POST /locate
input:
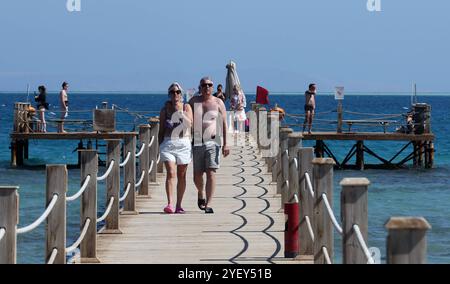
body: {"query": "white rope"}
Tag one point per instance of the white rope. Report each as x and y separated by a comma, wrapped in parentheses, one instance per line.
(52, 257)
(331, 214)
(140, 180)
(141, 151)
(127, 158)
(296, 198)
(363, 244)
(310, 229)
(82, 189)
(44, 216)
(159, 157)
(151, 141)
(107, 172)
(126, 193)
(2, 233)
(151, 167)
(296, 163)
(309, 185)
(108, 209)
(80, 239)
(326, 255)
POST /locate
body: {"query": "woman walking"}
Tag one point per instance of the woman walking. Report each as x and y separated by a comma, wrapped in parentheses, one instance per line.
(175, 145)
(237, 103)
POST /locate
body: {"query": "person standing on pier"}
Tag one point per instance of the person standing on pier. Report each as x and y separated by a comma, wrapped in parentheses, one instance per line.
(64, 104)
(209, 118)
(310, 106)
(175, 145)
(219, 94)
(42, 105)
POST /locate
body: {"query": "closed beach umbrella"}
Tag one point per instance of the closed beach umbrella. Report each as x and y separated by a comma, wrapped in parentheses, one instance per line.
(233, 79)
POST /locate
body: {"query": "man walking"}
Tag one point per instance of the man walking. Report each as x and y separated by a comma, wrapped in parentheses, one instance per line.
(310, 106)
(209, 120)
(64, 106)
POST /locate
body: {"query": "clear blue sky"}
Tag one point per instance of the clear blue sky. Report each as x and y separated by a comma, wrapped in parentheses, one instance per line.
(143, 45)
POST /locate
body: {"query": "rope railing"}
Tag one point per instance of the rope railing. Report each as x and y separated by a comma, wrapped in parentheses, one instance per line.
(296, 163)
(141, 151)
(151, 141)
(363, 244)
(2, 233)
(310, 229)
(80, 238)
(82, 189)
(326, 255)
(151, 167)
(309, 185)
(127, 158)
(44, 216)
(52, 257)
(331, 214)
(125, 193)
(159, 157)
(103, 177)
(141, 179)
(108, 210)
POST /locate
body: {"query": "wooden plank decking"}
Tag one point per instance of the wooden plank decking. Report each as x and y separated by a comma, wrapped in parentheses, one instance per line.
(245, 228)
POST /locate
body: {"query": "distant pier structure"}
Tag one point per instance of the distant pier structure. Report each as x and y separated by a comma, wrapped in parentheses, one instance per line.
(412, 134)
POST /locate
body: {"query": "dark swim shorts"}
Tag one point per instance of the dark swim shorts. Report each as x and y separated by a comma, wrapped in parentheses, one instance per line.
(309, 108)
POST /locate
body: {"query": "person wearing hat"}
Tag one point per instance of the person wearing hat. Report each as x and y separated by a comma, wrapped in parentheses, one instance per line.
(209, 124)
(175, 145)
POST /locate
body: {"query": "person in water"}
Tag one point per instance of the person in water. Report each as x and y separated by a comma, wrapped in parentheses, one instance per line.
(64, 106)
(175, 145)
(42, 105)
(209, 120)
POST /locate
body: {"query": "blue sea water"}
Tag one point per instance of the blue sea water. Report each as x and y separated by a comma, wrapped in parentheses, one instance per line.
(405, 192)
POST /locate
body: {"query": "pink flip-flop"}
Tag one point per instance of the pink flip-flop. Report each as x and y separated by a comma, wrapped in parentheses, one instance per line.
(168, 209)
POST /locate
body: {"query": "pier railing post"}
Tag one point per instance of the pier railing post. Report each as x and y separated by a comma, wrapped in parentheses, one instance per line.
(294, 142)
(305, 158)
(56, 220)
(154, 149)
(270, 159)
(9, 218)
(89, 166)
(283, 177)
(113, 187)
(323, 232)
(129, 204)
(407, 240)
(144, 137)
(354, 211)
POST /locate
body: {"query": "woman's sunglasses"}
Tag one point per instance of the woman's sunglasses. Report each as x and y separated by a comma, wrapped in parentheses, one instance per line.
(178, 92)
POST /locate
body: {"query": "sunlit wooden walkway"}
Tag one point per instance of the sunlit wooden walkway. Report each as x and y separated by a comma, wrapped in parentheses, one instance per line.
(246, 227)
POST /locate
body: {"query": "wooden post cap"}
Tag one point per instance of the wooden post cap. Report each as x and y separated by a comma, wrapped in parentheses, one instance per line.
(323, 161)
(286, 130)
(262, 109)
(5, 188)
(295, 135)
(407, 223)
(153, 120)
(87, 150)
(144, 126)
(355, 182)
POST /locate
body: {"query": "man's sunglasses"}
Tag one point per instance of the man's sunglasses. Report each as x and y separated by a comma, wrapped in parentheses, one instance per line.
(209, 85)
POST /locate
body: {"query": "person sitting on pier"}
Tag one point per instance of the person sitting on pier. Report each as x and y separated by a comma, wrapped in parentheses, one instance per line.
(310, 106)
(175, 144)
(42, 105)
(209, 119)
(64, 104)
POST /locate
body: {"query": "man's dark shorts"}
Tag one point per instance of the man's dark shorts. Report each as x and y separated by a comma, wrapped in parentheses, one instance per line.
(206, 157)
(309, 108)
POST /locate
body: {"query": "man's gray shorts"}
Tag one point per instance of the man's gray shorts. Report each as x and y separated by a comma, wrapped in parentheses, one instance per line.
(206, 157)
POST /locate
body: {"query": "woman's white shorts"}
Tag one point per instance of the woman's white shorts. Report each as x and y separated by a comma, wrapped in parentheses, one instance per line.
(178, 150)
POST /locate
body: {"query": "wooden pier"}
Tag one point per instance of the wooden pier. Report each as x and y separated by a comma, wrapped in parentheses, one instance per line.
(279, 214)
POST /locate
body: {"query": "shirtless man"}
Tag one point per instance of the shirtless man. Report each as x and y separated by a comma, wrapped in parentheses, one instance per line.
(64, 106)
(209, 118)
(310, 106)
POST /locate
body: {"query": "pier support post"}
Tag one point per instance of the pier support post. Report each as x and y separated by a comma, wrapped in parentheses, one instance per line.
(305, 158)
(9, 217)
(154, 149)
(262, 132)
(283, 176)
(406, 240)
(56, 220)
(319, 149)
(354, 211)
(294, 143)
(421, 150)
(360, 155)
(14, 154)
(129, 204)
(89, 166)
(323, 228)
(113, 187)
(339, 117)
(270, 159)
(144, 138)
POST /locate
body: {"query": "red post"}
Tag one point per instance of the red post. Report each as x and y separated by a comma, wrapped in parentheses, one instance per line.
(291, 243)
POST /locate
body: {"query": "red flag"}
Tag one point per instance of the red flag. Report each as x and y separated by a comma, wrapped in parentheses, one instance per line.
(262, 96)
